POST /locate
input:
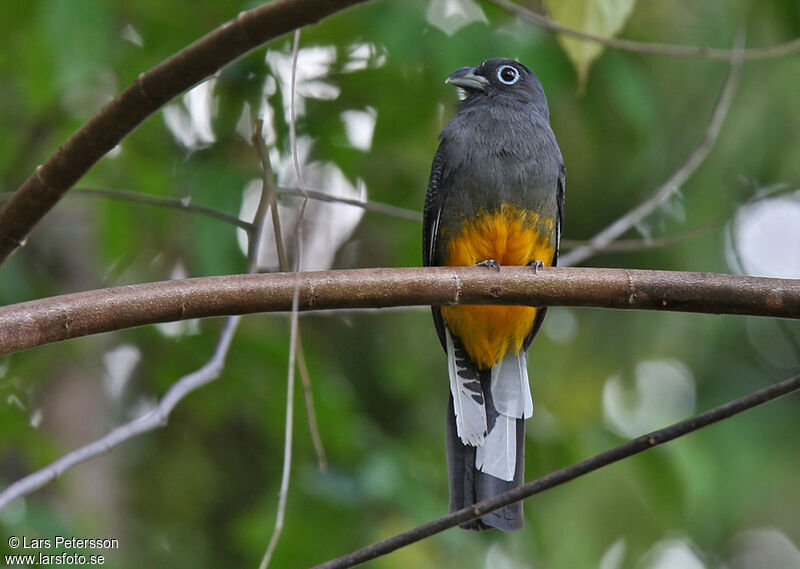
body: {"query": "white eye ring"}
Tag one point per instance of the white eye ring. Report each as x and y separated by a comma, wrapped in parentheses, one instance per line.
(508, 74)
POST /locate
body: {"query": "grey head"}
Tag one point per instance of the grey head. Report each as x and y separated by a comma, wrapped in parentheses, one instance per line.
(500, 82)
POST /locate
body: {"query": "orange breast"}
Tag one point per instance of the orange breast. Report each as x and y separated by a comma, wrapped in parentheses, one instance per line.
(510, 236)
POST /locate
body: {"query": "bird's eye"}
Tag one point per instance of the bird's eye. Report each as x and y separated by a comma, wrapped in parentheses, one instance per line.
(508, 74)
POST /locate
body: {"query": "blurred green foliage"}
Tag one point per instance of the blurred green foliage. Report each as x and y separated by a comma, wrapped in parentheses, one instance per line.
(203, 491)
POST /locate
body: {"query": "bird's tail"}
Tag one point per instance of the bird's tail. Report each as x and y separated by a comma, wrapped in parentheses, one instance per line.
(468, 485)
(486, 433)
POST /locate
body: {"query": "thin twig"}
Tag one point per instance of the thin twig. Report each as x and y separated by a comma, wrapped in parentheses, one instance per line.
(186, 205)
(283, 263)
(671, 186)
(293, 117)
(287, 442)
(564, 475)
(268, 187)
(378, 207)
(181, 204)
(294, 335)
(308, 396)
(265, 203)
(545, 22)
(641, 244)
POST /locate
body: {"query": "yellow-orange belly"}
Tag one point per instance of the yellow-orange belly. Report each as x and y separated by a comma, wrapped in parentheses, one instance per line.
(510, 236)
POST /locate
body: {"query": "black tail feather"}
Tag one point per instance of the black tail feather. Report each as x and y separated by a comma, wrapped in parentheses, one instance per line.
(468, 485)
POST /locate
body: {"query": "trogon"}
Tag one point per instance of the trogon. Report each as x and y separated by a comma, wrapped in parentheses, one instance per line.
(495, 197)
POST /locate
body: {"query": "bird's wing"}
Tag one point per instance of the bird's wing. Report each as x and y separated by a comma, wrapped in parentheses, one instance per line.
(434, 203)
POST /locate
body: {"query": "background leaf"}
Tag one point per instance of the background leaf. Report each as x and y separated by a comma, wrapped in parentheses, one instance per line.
(604, 18)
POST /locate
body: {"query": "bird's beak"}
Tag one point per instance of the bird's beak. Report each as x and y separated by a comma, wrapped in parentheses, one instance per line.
(466, 78)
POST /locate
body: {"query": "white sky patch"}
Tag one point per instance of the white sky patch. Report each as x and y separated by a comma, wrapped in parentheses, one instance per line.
(359, 127)
(326, 226)
(663, 392)
(130, 34)
(313, 65)
(452, 15)
(360, 56)
(766, 235)
(672, 554)
(119, 363)
(190, 120)
(179, 327)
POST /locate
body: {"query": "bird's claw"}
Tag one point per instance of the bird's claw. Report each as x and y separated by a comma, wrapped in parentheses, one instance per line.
(536, 266)
(491, 263)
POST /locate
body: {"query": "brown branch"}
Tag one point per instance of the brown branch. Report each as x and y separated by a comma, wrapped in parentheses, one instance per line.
(148, 93)
(34, 323)
(564, 475)
(753, 53)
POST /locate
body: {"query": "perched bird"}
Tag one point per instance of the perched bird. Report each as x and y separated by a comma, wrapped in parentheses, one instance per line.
(495, 197)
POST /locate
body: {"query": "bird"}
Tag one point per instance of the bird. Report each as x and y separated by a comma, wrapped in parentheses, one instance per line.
(495, 197)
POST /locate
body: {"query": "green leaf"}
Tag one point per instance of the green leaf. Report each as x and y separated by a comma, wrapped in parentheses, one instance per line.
(604, 18)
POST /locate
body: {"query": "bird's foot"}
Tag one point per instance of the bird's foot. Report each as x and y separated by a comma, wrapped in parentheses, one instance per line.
(536, 266)
(491, 263)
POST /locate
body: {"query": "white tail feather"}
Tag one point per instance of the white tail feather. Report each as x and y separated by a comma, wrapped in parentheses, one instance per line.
(511, 391)
(498, 454)
(468, 400)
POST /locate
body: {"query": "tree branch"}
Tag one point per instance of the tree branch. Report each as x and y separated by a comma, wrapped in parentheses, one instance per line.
(545, 22)
(149, 93)
(37, 322)
(564, 475)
